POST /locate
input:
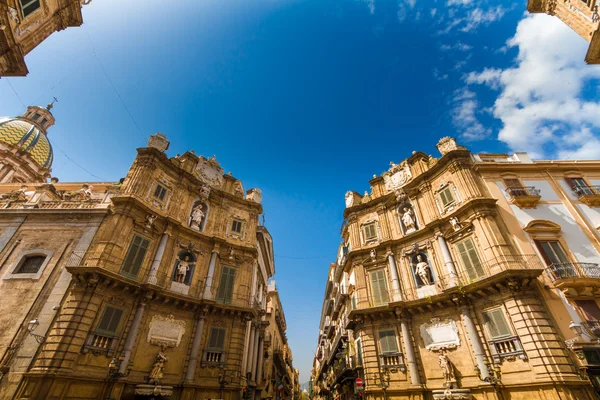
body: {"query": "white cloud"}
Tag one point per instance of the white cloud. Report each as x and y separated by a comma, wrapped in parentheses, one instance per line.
(370, 5)
(459, 2)
(464, 116)
(540, 101)
(460, 46)
(411, 3)
(433, 11)
(438, 75)
(401, 12)
(478, 16)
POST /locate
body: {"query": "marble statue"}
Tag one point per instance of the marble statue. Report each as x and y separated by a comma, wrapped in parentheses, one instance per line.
(422, 269)
(455, 224)
(182, 269)
(156, 373)
(408, 220)
(373, 254)
(447, 368)
(196, 217)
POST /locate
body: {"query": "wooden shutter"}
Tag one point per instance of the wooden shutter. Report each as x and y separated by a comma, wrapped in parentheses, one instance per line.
(590, 309)
(379, 286)
(387, 342)
(217, 339)
(135, 256)
(512, 183)
(446, 196)
(470, 258)
(496, 323)
(370, 231)
(551, 251)
(110, 320)
(226, 285)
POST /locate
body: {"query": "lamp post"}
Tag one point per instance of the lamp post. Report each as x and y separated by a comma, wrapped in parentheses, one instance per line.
(114, 374)
(381, 379)
(33, 324)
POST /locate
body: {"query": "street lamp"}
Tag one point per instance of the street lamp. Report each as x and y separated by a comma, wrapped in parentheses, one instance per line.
(114, 374)
(33, 324)
(576, 328)
(382, 380)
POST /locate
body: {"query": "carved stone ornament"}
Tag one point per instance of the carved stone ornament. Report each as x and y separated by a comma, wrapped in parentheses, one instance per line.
(254, 195)
(16, 195)
(209, 171)
(551, 7)
(448, 144)
(451, 394)
(165, 331)
(440, 335)
(152, 390)
(397, 176)
(158, 141)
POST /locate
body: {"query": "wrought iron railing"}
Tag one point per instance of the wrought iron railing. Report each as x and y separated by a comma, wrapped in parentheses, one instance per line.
(522, 191)
(581, 191)
(593, 326)
(571, 270)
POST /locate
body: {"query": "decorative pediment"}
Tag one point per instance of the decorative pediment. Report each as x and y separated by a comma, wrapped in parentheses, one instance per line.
(165, 331)
(397, 176)
(440, 335)
(209, 171)
(541, 225)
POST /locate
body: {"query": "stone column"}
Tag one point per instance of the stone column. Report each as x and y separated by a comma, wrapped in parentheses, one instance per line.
(475, 343)
(260, 359)
(209, 276)
(397, 295)
(133, 331)
(255, 354)
(157, 259)
(246, 348)
(452, 275)
(251, 348)
(189, 375)
(411, 360)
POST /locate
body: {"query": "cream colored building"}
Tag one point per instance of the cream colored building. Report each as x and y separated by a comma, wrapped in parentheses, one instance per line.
(153, 286)
(581, 15)
(24, 24)
(438, 292)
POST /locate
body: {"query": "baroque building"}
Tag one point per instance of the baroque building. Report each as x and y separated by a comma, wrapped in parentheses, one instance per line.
(24, 24)
(580, 15)
(152, 286)
(456, 279)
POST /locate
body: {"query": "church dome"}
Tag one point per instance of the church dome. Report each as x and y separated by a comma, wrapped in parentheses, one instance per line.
(28, 138)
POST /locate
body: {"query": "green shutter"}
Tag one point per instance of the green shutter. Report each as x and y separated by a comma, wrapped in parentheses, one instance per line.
(370, 231)
(470, 258)
(387, 342)
(496, 323)
(379, 286)
(217, 339)
(446, 196)
(226, 285)
(135, 256)
(110, 320)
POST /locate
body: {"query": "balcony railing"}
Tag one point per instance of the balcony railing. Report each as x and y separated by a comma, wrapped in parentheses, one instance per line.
(344, 365)
(581, 191)
(522, 191)
(392, 360)
(99, 343)
(212, 357)
(570, 270)
(593, 327)
(509, 347)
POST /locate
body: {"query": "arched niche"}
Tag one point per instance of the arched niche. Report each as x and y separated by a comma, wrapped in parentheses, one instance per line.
(198, 215)
(184, 266)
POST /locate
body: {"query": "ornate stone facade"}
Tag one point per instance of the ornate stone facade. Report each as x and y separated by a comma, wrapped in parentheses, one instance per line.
(435, 295)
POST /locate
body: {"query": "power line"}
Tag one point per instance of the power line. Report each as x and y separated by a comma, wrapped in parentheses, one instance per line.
(16, 94)
(113, 86)
(75, 162)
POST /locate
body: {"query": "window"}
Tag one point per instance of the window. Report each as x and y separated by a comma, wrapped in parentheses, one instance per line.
(579, 186)
(387, 342)
(216, 341)
(36, 116)
(512, 183)
(447, 197)
(160, 192)
(226, 284)
(30, 265)
(496, 324)
(552, 252)
(110, 320)
(29, 6)
(470, 258)
(135, 256)
(589, 309)
(236, 227)
(370, 231)
(43, 122)
(379, 287)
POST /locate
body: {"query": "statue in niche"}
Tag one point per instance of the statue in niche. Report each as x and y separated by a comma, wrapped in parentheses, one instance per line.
(455, 224)
(183, 267)
(408, 220)
(447, 369)
(156, 373)
(197, 216)
(422, 269)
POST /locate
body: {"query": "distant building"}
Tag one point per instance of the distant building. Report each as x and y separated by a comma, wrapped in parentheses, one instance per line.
(156, 285)
(581, 15)
(24, 24)
(466, 276)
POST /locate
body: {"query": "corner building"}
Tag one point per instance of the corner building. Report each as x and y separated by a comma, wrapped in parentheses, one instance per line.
(439, 293)
(154, 286)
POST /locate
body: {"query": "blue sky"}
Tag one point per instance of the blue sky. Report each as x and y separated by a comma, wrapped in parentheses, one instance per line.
(307, 100)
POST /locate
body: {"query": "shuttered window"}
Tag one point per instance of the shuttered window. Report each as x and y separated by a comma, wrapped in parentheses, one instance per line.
(236, 226)
(226, 284)
(29, 6)
(446, 197)
(370, 231)
(512, 183)
(590, 309)
(160, 192)
(387, 342)
(135, 256)
(379, 287)
(552, 252)
(110, 320)
(216, 341)
(470, 258)
(496, 324)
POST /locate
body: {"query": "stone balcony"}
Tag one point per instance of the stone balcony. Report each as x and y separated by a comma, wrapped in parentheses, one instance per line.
(507, 348)
(575, 278)
(589, 195)
(524, 196)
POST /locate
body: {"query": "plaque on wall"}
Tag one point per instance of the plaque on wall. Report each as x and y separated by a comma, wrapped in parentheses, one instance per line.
(440, 335)
(165, 331)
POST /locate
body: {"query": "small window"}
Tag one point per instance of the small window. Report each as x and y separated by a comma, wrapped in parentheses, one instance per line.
(160, 192)
(36, 116)
(379, 287)
(29, 6)
(226, 285)
(512, 183)
(43, 121)
(30, 265)
(470, 258)
(216, 340)
(590, 309)
(236, 226)
(370, 231)
(109, 323)
(496, 324)
(387, 342)
(447, 197)
(135, 256)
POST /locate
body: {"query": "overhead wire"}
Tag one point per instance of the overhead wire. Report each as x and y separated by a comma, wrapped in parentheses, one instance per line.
(16, 94)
